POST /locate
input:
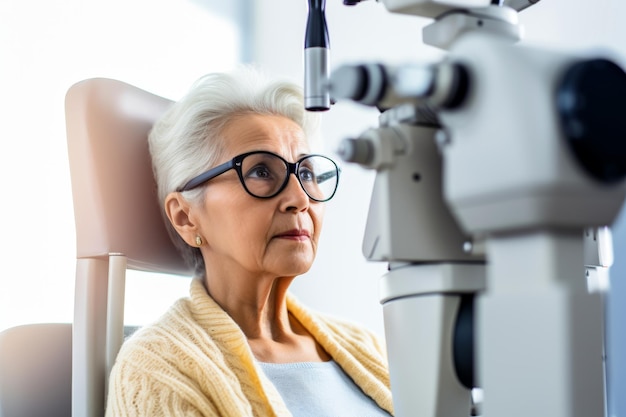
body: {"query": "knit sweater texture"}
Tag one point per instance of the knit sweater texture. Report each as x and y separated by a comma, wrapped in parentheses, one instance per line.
(195, 361)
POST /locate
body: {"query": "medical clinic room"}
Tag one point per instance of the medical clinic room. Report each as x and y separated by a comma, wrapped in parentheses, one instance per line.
(452, 242)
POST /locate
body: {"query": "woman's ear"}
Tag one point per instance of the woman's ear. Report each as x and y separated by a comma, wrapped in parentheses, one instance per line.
(178, 211)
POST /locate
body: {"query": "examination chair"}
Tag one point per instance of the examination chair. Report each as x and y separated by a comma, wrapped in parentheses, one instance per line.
(118, 223)
(36, 370)
(50, 369)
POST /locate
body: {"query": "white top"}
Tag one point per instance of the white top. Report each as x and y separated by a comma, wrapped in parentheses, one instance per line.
(320, 389)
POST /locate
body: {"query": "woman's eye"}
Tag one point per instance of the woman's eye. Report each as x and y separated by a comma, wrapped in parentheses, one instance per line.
(259, 172)
(306, 175)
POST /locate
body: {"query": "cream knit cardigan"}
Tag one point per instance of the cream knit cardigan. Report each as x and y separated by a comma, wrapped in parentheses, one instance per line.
(195, 361)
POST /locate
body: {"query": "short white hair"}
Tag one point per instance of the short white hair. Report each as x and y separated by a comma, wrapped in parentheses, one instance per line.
(187, 141)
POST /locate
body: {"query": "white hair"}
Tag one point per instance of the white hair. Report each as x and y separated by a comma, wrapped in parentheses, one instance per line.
(187, 141)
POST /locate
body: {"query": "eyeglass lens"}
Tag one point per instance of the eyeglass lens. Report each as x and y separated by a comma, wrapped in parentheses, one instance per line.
(265, 174)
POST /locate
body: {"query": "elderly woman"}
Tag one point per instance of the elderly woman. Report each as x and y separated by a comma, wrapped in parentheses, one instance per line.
(244, 198)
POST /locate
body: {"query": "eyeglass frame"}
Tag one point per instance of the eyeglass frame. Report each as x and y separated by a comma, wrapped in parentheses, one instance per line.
(236, 164)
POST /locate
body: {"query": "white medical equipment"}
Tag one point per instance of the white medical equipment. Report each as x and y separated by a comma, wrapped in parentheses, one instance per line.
(493, 166)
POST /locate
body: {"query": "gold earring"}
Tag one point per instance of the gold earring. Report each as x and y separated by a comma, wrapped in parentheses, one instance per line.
(199, 241)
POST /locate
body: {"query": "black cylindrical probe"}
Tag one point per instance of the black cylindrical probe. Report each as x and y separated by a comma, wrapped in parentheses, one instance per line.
(316, 64)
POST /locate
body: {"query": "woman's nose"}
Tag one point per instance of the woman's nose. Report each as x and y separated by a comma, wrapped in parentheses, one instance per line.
(295, 198)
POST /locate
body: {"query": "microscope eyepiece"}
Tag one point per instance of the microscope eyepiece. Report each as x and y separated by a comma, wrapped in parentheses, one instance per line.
(356, 150)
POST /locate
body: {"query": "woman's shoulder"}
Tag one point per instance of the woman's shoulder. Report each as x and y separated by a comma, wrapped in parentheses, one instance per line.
(350, 328)
(175, 323)
(191, 329)
(183, 320)
(170, 345)
(176, 357)
(346, 329)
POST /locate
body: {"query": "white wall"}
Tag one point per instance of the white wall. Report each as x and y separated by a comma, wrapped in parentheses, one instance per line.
(45, 47)
(342, 282)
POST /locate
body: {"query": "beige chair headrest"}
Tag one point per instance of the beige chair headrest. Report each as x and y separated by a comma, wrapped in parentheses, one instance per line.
(115, 202)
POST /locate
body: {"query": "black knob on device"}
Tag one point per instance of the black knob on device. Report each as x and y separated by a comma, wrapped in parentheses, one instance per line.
(591, 103)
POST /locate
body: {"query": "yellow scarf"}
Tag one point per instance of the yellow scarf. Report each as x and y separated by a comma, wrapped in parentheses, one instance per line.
(195, 361)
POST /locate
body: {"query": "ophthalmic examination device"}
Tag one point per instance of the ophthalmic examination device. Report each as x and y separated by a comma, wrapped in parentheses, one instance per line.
(499, 170)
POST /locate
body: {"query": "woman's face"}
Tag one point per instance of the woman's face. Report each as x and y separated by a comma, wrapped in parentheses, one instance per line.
(276, 236)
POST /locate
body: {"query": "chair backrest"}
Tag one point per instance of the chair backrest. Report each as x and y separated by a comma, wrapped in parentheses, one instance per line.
(115, 202)
(118, 222)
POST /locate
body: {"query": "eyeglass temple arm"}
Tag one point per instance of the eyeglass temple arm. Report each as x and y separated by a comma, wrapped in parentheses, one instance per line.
(202, 178)
(327, 175)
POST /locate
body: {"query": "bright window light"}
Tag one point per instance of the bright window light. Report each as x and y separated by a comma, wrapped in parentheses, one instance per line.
(46, 46)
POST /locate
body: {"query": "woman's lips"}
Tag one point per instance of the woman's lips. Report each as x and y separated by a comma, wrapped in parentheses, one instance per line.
(294, 234)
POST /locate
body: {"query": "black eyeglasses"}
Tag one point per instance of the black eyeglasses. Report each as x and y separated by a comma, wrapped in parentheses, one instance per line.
(264, 174)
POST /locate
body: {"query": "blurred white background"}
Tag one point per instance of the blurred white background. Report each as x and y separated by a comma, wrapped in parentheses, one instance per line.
(163, 46)
(45, 47)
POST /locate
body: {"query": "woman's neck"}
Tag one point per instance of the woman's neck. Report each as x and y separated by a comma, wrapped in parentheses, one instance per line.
(261, 312)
